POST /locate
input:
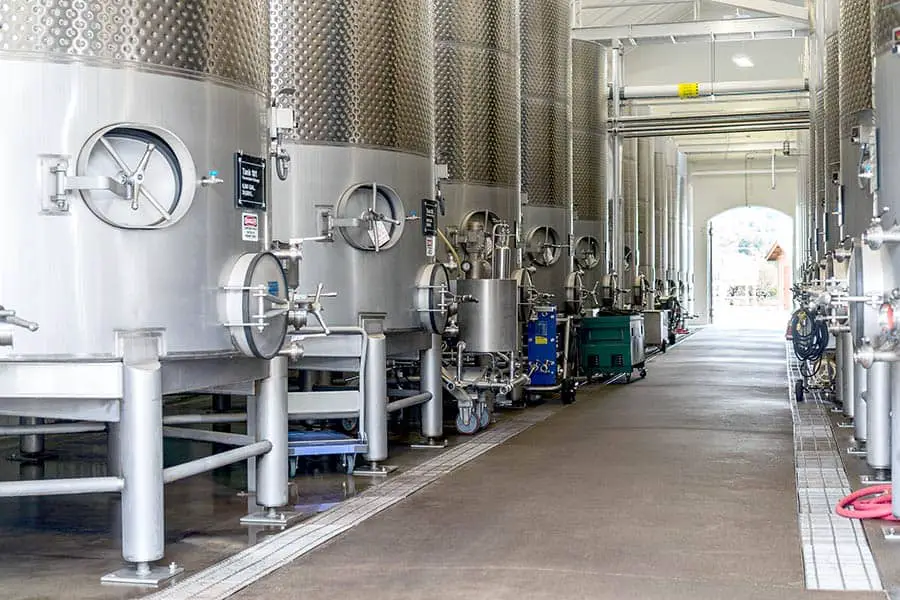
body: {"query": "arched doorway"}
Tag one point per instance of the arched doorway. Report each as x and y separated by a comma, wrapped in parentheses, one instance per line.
(750, 266)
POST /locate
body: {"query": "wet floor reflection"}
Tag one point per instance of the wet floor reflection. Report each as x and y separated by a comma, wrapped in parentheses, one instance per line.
(59, 546)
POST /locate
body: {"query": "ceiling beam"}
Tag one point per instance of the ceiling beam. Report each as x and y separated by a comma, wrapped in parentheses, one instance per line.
(771, 7)
(688, 30)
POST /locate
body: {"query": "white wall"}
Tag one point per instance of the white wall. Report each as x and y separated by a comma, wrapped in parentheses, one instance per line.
(714, 194)
(657, 64)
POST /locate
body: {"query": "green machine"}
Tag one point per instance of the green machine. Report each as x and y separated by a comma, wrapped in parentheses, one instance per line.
(611, 344)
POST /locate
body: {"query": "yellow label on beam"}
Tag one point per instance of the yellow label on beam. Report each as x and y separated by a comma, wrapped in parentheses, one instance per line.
(688, 90)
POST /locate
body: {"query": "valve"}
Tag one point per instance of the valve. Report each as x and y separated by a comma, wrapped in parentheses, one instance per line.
(9, 317)
(310, 304)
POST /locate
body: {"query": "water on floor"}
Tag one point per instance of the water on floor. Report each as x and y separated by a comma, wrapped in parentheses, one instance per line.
(58, 547)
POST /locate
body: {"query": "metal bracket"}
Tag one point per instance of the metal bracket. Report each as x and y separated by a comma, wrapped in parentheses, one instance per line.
(62, 185)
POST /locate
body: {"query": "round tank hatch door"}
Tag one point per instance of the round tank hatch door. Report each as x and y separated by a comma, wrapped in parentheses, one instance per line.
(256, 305)
(432, 293)
(149, 174)
(543, 246)
(371, 217)
(587, 252)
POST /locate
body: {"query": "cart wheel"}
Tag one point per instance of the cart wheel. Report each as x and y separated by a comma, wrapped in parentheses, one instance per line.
(484, 417)
(349, 425)
(628, 378)
(643, 373)
(664, 347)
(467, 428)
(349, 463)
(293, 461)
(568, 393)
(798, 390)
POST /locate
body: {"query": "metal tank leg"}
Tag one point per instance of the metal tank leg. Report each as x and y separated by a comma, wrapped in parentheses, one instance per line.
(31, 446)
(843, 345)
(375, 406)
(881, 386)
(272, 467)
(143, 512)
(860, 421)
(895, 442)
(433, 410)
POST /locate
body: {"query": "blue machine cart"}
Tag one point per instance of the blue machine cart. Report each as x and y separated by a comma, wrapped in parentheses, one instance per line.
(323, 443)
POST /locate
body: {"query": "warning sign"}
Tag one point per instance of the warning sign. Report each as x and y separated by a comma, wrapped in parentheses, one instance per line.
(250, 227)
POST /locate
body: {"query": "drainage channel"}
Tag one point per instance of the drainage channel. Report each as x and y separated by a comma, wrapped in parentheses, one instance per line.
(836, 553)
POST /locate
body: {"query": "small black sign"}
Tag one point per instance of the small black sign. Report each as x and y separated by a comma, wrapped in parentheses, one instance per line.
(429, 217)
(249, 181)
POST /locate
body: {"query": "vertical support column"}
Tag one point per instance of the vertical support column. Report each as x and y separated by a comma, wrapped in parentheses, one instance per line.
(375, 399)
(895, 443)
(31, 445)
(272, 425)
(860, 421)
(143, 513)
(844, 383)
(272, 467)
(878, 400)
(433, 410)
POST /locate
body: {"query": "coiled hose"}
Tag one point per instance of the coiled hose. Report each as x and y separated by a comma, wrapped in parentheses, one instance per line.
(809, 336)
(868, 503)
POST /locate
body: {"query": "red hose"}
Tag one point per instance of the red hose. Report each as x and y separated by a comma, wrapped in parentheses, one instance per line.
(868, 503)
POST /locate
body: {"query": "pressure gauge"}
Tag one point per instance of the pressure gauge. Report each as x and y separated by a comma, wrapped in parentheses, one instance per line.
(587, 252)
(153, 170)
(543, 247)
(370, 216)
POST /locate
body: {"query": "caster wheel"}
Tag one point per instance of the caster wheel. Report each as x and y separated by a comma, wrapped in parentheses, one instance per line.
(628, 378)
(349, 425)
(348, 462)
(568, 394)
(798, 390)
(664, 347)
(467, 427)
(643, 373)
(292, 466)
(484, 417)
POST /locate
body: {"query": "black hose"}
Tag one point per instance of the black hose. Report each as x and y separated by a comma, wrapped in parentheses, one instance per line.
(809, 338)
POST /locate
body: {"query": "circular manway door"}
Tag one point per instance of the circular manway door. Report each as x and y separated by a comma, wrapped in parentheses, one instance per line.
(147, 169)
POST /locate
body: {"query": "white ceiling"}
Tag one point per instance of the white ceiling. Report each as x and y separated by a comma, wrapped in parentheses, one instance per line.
(599, 13)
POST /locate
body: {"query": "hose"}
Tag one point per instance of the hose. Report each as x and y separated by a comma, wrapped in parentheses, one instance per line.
(808, 336)
(868, 503)
(450, 247)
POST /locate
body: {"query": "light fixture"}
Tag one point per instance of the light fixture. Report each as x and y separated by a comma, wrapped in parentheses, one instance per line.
(742, 60)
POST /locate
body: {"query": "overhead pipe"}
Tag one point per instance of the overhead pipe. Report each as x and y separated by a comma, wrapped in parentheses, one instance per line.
(687, 91)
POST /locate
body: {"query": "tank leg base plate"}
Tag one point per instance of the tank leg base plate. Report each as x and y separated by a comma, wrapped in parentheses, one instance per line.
(270, 519)
(430, 445)
(856, 451)
(152, 578)
(875, 479)
(374, 471)
(846, 425)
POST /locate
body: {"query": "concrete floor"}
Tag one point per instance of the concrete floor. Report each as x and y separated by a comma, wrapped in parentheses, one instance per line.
(679, 486)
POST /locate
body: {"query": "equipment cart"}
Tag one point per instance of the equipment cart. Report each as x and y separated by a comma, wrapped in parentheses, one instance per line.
(323, 443)
(612, 344)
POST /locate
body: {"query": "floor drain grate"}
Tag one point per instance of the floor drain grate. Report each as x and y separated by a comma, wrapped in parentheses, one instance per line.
(836, 554)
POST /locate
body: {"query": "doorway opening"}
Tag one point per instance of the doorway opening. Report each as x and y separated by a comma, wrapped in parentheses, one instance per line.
(751, 267)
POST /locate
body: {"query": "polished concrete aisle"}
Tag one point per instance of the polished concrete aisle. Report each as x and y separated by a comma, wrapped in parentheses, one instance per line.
(678, 486)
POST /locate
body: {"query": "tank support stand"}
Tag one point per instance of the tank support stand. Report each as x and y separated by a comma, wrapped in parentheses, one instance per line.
(271, 467)
(141, 464)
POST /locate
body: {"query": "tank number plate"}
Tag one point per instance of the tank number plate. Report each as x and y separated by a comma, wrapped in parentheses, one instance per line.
(249, 181)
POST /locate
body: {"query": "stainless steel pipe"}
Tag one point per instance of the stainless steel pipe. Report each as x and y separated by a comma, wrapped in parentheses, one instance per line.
(216, 461)
(61, 487)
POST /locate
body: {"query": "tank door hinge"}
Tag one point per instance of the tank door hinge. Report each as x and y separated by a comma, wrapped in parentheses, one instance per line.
(59, 185)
